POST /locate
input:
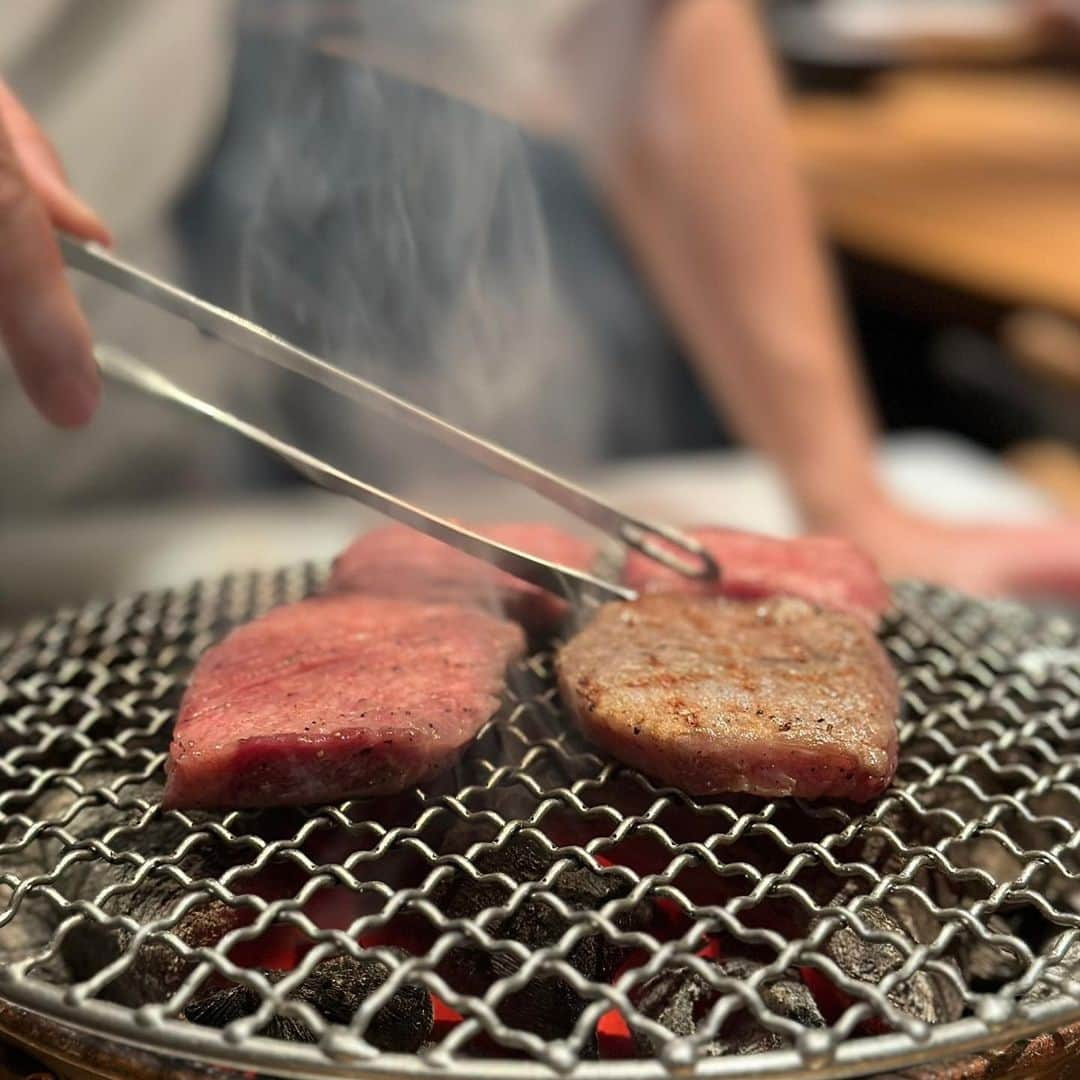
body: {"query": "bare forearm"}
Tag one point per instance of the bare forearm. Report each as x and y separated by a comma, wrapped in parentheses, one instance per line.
(706, 188)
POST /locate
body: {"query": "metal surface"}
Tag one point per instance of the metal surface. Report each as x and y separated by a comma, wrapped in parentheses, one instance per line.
(983, 821)
(575, 585)
(655, 541)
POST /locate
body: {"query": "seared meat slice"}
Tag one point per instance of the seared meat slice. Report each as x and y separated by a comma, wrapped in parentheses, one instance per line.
(336, 697)
(711, 695)
(397, 561)
(824, 570)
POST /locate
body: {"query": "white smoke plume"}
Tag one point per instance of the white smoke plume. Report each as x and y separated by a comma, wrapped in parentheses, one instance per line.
(416, 184)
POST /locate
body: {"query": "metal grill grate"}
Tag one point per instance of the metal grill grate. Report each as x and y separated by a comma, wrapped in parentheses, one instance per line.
(557, 907)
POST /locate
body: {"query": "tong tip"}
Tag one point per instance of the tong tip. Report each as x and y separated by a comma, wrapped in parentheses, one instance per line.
(658, 541)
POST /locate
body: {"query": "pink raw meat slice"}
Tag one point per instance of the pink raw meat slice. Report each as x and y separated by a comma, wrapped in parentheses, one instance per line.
(336, 697)
(825, 570)
(398, 561)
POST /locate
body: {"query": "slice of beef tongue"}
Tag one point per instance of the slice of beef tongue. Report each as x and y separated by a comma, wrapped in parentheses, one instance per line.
(827, 571)
(336, 697)
(712, 696)
(368, 690)
(399, 562)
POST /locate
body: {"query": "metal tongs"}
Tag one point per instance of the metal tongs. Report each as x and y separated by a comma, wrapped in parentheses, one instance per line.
(665, 545)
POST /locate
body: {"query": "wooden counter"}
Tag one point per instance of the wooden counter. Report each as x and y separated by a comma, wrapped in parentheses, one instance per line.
(971, 180)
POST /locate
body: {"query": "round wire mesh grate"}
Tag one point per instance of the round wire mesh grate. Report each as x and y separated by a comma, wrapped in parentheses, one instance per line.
(542, 910)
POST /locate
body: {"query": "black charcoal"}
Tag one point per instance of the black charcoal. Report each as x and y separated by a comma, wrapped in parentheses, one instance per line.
(336, 988)
(548, 1006)
(681, 999)
(926, 995)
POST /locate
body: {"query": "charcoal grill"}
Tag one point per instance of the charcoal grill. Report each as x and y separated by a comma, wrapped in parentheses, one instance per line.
(973, 851)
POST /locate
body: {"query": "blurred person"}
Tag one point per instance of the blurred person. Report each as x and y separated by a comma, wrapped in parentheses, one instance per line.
(700, 177)
(705, 184)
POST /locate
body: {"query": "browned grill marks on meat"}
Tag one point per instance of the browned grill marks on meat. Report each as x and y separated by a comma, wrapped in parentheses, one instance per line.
(772, 698)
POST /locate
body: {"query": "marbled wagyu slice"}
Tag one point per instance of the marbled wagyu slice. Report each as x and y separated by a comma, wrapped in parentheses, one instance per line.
(827, 571)
(397, 561)
(336, 697)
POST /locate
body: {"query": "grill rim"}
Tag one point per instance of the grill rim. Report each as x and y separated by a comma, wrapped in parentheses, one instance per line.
(172, 1038)
(852, 1058)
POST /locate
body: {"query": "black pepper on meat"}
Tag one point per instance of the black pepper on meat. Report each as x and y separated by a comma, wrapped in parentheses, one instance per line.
(771, 698)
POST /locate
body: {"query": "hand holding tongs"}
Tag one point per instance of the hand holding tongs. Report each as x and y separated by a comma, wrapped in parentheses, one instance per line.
(655, 541)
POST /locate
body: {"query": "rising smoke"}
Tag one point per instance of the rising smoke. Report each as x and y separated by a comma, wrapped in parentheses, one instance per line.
(398, 230)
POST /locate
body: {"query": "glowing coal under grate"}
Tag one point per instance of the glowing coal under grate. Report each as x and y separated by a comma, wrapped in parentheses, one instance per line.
(542, 909)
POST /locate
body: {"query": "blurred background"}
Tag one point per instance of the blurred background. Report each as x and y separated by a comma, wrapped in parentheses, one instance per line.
(255, 153)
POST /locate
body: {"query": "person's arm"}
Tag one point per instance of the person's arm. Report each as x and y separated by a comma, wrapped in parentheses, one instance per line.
(705, 186)
(703, 180)
(41, 326)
